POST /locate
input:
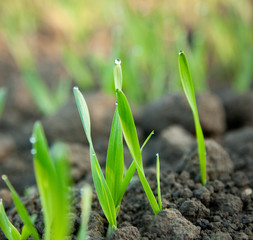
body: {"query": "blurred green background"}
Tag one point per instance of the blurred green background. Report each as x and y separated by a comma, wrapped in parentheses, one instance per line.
(60, 43)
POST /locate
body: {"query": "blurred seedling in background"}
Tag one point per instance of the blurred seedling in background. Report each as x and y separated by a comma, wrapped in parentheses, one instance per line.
(188, 87)
(110, 189)
(53, 181)
(47, 100)
(3, 93)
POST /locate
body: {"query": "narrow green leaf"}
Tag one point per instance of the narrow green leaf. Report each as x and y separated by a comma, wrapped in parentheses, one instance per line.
(147, 139)
(86, 193)
(53, 180)
(130, 135)
(25, 230)
(45, 176)
(118, 74)
(186, 80)
(115, 158)
(102, 189)
(8, 229)
(190, 95)
(158, 181)
(21, 209)
(128, 127)
(83, 112)
(62, 197)
(128, 176)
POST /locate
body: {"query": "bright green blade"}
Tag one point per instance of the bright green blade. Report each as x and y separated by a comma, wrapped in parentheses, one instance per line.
(102, 189)
(83, 112)
(147, 139)
(158, 181)
(128, 127)
(128, 176)
(190, 95)
(25, 230)
(8, 229)
(86, 193)
(21, 209)
(62, 197)
(115, 158)
(45, 176)
(3, 94)
(186, 81)
(130, 135)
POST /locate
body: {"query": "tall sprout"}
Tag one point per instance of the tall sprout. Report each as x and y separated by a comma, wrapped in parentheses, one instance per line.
(188, 87)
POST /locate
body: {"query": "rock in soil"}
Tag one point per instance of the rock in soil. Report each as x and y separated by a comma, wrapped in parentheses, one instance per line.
(174, 109)
(126, 233)
(171, 144)
(218, 162)
(170, 224)
(238, 108)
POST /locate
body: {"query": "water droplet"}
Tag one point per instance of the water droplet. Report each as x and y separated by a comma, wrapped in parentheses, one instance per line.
(117, 61)
(33, 151)
(116, 103)
(181, 51)
(75, 88)
(32, 139)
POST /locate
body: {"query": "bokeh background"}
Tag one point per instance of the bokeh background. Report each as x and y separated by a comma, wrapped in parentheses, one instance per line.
(53, 45)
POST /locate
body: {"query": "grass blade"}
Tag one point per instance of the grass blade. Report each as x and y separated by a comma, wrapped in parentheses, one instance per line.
(115, 158)
(86, 193)
(83, 112)
(53, 182)
(128, 176)
(158, 181)
(8, 229)
(130, 134)
(21, 209)
(45, 176)
(190, 95)
(147, 139)
(128, 127)
(102, 189)
(62, 196)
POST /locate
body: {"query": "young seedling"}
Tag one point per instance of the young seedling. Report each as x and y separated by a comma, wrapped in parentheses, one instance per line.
(188, 87)
(53, 180)
(110, 190)
(130, 136)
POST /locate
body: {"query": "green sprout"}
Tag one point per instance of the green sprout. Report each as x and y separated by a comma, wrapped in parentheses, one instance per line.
(3, 94)
(53, 180)
(110, 189)
(190, 95)
(131, 138)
